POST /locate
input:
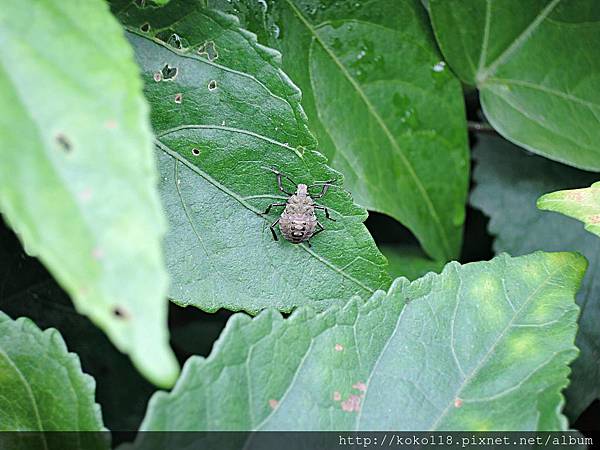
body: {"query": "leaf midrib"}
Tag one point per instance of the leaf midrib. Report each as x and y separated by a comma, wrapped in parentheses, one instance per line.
(477, 369)
(483, 75)
(29, 392)
(387, 132)
(174, 154)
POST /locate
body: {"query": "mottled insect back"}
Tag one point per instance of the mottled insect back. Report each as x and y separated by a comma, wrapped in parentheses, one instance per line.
(298, 221)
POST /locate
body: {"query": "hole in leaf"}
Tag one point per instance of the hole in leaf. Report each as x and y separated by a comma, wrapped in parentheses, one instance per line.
(209, 51)
(196, 151)
(178, 98)
(168, 72)
(212, 85)
(145, 27)
(120, 313)
(64, 143)
(175, 41)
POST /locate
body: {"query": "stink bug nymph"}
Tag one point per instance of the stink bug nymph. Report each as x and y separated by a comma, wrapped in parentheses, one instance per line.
(298, 221)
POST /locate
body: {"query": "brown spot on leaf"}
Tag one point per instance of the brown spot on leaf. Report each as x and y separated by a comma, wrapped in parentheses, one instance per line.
(339, 347)
(594, 219)
(157, 77)
(64, 142)
(362, 387)
(273, 403)
(120, 313)
(178, 98)
(337, 396)
(457, 402)
(111, 124)
(351, 404)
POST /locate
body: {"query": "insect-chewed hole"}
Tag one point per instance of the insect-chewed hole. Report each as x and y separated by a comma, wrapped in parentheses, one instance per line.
(168, 72)
(64, 143)
(145, 27)
(120, 312)
(175, 41)
(196, 151)
(208, 50)
(212, 85)
(178, 98)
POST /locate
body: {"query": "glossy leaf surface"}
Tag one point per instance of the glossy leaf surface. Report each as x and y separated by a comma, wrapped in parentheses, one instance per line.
(536, 66)
(385, 109)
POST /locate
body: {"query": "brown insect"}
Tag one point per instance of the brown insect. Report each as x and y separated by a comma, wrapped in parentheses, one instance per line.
(298, 221)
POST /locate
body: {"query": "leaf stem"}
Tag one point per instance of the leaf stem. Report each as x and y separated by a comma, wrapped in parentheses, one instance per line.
(480, 127)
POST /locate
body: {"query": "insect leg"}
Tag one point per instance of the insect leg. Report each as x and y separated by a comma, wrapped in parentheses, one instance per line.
(273, 204)
(323, 208)
(272, 227)
(321, 228)
(325, 186)
(279, 182)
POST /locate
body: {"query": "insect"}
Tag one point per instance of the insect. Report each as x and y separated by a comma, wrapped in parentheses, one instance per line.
(298, 221)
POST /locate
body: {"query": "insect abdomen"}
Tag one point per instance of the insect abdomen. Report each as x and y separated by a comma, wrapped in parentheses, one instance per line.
(297, 229)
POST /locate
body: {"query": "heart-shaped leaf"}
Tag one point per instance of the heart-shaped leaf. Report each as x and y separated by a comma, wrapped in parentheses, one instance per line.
(483, 346)
(386, 110)
(509, 182)
(537, 68)
(77, 172)
(582, 204)
(225, 115)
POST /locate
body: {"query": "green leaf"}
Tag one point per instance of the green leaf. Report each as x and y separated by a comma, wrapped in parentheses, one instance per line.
(408, 261)
(484, 346)
(77, 174)
(536, 66)
(509, 182)
(225, 113)
(582, 204)
(42, 386)
(385, 109)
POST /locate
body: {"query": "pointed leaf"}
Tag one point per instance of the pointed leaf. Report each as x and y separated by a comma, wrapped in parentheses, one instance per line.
(224, 114)
(77, 175)
(582, 204)
(43, 387)
(509, 182)
(535, 63)
(484, 346)
(386, 110)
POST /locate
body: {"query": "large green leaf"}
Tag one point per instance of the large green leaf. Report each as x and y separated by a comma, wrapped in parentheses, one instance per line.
(509, 183)
(225, 113)
(582, 204)
(42, 387)
(535, 63)
(483, 346)
(77, 174)
(385, 109)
